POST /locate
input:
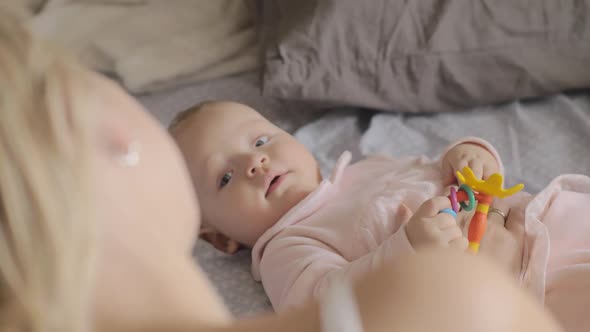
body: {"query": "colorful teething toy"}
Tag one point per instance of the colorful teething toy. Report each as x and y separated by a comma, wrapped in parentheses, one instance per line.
(483, 192)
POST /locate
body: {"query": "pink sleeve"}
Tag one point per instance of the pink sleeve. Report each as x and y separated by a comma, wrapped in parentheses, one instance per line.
(296, 269)
(475, 140)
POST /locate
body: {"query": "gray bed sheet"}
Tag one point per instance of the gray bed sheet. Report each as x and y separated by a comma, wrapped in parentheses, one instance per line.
(537, 139)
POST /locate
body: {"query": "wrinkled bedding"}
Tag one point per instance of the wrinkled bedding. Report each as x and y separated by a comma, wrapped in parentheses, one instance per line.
(537, 140)
(423, 56)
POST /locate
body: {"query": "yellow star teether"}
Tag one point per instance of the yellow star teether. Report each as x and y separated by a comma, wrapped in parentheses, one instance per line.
(491, 186)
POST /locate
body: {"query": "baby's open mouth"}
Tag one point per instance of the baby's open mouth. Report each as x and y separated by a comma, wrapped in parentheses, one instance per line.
(274, 183)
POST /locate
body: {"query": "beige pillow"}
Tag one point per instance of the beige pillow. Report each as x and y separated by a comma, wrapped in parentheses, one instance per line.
(22, 8)
(152, 45)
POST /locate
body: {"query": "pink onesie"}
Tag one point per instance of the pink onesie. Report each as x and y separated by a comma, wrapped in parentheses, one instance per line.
(355, 221)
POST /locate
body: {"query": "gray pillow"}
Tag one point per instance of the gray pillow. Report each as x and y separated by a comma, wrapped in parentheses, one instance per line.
(426, 55)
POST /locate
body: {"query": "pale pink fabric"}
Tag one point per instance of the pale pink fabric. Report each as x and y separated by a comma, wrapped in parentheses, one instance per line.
(355, 221)
(560, 216)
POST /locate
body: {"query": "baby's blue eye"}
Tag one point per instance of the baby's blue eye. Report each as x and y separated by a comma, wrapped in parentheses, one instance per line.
(261, 141)
(225, 179)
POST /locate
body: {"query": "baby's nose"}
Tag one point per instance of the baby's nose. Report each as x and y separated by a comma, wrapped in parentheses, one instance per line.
(256, 163)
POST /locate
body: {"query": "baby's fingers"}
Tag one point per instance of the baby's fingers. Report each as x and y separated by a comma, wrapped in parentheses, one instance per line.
(477, 167)
(490, 168)
(460, 165)
(444, 220)
(432, 207)
(451, 234)
(460, 243)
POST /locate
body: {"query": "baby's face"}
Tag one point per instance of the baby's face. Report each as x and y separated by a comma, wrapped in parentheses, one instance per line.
(247, 172)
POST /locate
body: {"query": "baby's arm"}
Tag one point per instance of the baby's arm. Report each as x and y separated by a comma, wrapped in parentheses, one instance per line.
(297, 268)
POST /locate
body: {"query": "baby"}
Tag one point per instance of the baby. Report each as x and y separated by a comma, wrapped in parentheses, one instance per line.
(262, 189)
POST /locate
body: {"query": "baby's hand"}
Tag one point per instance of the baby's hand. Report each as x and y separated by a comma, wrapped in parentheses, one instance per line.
(428, 227)
(480, 160)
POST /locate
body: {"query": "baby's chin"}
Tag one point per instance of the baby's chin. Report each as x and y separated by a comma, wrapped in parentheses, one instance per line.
(271, 217)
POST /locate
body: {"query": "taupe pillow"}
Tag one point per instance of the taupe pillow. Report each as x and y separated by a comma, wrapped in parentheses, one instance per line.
(426, 55)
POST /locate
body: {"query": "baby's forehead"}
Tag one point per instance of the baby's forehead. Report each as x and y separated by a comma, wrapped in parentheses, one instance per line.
(227, 115)
(220, 133)
(228, 126)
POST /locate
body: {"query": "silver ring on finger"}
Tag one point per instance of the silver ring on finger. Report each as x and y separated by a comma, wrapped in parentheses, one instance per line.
(498, 211)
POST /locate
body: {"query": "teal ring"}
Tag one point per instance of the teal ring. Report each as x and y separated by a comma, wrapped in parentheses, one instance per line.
(471, 197)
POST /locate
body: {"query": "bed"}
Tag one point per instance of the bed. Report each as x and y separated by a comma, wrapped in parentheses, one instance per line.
(520, 85)
(380, 76)
(538, 139)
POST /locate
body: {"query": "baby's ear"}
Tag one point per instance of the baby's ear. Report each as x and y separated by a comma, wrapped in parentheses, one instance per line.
(218, 240)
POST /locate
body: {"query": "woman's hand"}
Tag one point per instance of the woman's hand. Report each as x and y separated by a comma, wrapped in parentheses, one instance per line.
(480, 160)
(503, 241)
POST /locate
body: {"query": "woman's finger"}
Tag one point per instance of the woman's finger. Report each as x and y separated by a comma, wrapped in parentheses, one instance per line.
(498, 212)
(515, 225)
(497, 216)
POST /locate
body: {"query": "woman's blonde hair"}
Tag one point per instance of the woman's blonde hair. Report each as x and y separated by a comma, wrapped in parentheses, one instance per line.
(46, 232)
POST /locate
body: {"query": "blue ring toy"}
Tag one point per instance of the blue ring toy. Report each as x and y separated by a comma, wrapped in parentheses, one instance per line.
(449, 211)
